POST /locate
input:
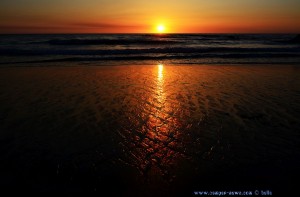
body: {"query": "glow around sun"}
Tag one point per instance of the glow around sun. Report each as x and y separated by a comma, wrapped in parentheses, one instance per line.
(160, 28)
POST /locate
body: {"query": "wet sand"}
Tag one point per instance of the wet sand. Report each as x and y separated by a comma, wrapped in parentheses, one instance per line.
(164, 130)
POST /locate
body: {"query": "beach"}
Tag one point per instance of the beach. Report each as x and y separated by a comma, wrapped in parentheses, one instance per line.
(144, 130)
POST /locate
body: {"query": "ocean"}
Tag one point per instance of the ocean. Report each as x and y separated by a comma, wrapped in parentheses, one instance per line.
(150, 48)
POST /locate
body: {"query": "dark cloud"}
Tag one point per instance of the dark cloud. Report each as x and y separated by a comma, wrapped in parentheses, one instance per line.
(29, 27)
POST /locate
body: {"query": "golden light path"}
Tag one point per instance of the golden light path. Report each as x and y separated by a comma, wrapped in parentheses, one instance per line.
(160, 80)
(160, 90)
(155, 120)
(151, 134)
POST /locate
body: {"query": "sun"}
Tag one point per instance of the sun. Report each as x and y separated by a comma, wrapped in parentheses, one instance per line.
(160, 28)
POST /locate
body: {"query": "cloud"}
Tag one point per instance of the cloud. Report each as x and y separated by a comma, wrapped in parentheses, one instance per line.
(69, 27)
(104, 25)
(28, 27)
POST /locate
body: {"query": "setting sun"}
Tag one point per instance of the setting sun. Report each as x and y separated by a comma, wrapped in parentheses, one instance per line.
(160, 28)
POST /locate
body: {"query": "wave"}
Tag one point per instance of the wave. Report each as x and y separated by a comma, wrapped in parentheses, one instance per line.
(191, 58)
(167, 50)
(108, 42)
(153, 39)
(113, 47)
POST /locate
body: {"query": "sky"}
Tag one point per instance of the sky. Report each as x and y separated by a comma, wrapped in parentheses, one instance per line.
(143, 16)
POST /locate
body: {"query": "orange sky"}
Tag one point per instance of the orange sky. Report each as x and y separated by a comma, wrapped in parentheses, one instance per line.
(142, 16)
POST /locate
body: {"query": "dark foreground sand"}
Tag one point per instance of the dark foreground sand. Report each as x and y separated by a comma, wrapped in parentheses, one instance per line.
(150, 130)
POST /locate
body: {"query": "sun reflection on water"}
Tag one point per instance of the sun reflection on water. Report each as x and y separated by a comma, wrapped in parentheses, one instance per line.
(160, 83)
(160, 72)
(151, 133)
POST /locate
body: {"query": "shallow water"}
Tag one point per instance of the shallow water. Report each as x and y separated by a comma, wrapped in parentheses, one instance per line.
(150, 130)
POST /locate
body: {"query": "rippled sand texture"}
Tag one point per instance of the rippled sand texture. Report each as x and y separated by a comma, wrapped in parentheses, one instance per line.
(155, 128)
